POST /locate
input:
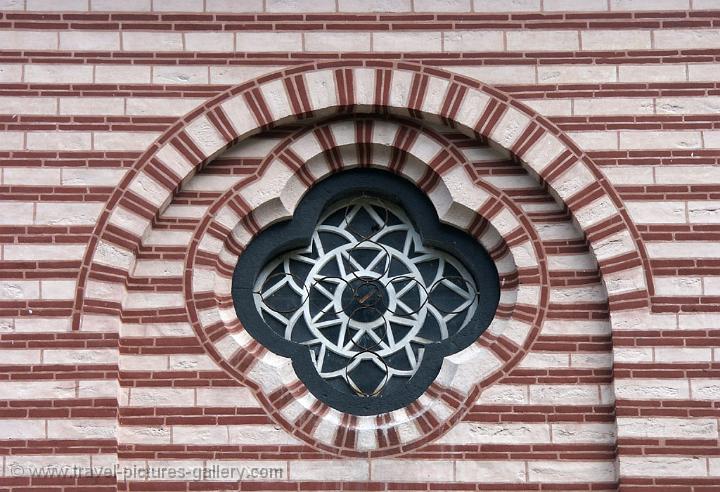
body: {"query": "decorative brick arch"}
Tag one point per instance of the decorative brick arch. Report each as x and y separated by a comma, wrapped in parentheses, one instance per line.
(322, 89)
(434, 165)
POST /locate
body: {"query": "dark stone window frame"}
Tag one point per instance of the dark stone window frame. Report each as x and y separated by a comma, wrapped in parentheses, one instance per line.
(295, 233)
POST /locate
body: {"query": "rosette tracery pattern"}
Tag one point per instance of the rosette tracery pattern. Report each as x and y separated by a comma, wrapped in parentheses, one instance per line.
(366, 296)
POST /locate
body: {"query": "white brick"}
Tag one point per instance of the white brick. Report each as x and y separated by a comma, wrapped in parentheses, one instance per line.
(536, 40)
(571, 471)
(653, 73)
(636, 140)
(705, 389)
(687, 174)
(54, 5)
(668, 428)
(682, 249)
(67, 213)
(652, 389)
(387, 470)
(540, 360)
(184, 74)
(407, 41)
(337, 41)
(233, 6)
(622, 175)
(688, 105)
(703, 71)
(89, 41)
(22, 429)
(550, 107)
(663, 466)
(704, 212)
(678, 286)
(687, 39)
(28, 105)
(57, 289)
(336, 470)
(15, 252)
(617, 39)
(123, 140)
(81, 429)
(365, 6)
(11, 73)
(161, 106)
(152, 41)
(80, 356)
(178, 6)
(28, 40)
(572, 433)
(506, 5)
(503, 394)
(629, 5)
(683, 354)
(497, 74)
(233, 74)
(295, 6)
(58, 141)
(58, 74)
(578, 394)
(490, 471)
(268, 41)
(575, 6)
(161, 397)
(660, 212)
(599, 140)
(473, 40)
(38, 390)
(123, 74)
(467, 433)
(92, 105)
(12, 213)
(226, 397)
(124, 6)
(601, 106)
(91, 177)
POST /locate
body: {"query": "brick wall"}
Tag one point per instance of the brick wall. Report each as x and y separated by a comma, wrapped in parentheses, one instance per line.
(143, 143)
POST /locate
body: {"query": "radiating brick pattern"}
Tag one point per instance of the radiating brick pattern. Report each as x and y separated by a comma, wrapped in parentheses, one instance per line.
(144, 143)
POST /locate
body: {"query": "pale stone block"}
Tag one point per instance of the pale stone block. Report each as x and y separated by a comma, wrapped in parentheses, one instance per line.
(144, 435)
(442, 5)
(578, 394)
(322, 90)
(143, 362)
(226, 397)
(54, 5)
(59, 140)
(705, 389)
(337, 41)
(652, 73)
(652, 389)
(711, 285)
(57, 289)
(233, 6)
(657, 212)
(119, 141)
(595, 212)
(38, 390)
(152, 41)
(639, 140)
(148, 189)
(509, 128)
(125, 219)
(28, 40)
(543, 152)
(537, 40)
(178, 6)
(504, 394)
(573, 181)
(81, 429)
(268, 41)
(174, 161)
(584, 262)
(602, 106)
(208, 139)
(682, 249)
(497, 74)
(161, 397)
(575, 6)
(91, 177)
(571, 471)
(163, 237)
(80, 356)
(67, 213)
(667, 428)
(506, 5)
(471, 109)
(234, 74)
(92, 105)
(550, 107)
(364, 6)
(160, 106)
(576, 327)
(113, 255)
(663, 466)
(687, 174)
(89, 40)
(265, 434)
(11, 73)
(629, 175)
(123, 74)
(124, 6)
(18, 252)
(407, 41)
(573, 433)
(612, 246)
(331, 470)
(576, 74)
(540, 360)
(581, 294)
(633, 355)
(590, 360)
(686, 39)
(678, 286)
(387, 470)
(20, 357)
(607, 140)
(16, 213)
(13, 429)
(184, 74)
(157, 300)
(490, 471)
(295, 6)
(209, 41)
(472, 40)
(28, 105)
(616, 39)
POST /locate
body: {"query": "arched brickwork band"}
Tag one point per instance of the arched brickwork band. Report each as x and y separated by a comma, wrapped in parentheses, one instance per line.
(322, 89)
(438, 168)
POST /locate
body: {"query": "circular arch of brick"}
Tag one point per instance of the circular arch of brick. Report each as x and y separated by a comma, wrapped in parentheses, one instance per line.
(438, 168)
(322, 89)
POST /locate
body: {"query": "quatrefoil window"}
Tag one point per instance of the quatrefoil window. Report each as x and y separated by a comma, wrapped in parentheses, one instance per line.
(366, 291)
